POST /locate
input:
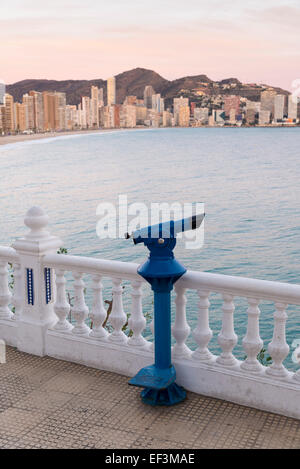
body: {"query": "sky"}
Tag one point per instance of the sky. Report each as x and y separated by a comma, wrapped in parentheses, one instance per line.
(254, 41)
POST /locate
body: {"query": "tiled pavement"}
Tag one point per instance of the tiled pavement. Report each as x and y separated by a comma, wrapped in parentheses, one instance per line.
(48, 403)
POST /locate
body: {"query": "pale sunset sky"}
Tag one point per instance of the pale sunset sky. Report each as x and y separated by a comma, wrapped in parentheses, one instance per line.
(254, 41)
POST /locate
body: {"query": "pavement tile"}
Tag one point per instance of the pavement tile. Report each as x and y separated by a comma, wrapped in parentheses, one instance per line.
(49, 403)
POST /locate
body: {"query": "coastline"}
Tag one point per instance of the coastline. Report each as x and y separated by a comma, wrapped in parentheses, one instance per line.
(8, 139)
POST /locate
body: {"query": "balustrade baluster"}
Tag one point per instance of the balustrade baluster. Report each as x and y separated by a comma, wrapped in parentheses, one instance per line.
(227, 338)
(137, 321)
(117, 317)
(5, 295)
(252, 343)
(61, 305)
(180, 329)
(17, 292)
(79, 310)
(203, 334)
(98, 313)
(278, 348)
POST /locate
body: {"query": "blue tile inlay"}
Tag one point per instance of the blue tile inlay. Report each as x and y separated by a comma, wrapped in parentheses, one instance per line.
(47, 273)
(30, 290)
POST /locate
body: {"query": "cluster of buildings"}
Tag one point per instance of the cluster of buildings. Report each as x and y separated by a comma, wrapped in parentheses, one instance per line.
(48, 111)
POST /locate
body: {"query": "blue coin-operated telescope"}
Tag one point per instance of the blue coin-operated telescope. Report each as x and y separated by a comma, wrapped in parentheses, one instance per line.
(162, 270)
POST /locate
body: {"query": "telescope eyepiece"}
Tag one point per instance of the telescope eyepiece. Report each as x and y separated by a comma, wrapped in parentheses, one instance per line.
(168, 229)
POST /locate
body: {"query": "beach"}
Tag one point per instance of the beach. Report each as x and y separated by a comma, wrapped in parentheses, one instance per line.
(6, 139)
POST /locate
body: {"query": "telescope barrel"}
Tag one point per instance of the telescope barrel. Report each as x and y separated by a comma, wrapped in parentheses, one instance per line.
(168, 229)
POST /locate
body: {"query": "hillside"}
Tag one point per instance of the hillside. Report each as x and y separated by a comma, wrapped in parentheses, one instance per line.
(133, 82)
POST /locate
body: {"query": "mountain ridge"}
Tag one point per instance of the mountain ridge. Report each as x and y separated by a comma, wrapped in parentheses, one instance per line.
(133, 82)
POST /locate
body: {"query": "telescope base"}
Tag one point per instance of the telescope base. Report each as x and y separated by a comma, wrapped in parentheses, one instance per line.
(171, 395)
(154, 378)
(159, 384)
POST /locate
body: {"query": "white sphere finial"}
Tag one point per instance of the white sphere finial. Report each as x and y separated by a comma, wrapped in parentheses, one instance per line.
(36, 219)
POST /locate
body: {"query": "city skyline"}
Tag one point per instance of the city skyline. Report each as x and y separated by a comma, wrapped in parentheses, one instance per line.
(48, 111)
(252, 41)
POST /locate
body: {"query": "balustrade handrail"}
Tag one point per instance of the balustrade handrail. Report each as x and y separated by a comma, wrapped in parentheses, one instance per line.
(242, 286)
(219, 283)
(8, 254)
(88, 265)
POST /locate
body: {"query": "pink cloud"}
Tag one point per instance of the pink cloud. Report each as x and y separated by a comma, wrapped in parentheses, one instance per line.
(252, 50)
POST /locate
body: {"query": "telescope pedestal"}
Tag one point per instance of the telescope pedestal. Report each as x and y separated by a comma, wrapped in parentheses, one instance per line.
(159, 379)
(161, 270)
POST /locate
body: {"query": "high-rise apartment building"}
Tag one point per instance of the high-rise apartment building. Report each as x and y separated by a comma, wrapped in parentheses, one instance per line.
(38, 107)
(251, 116)
(184, 116)
(193, 107)
(158, 103)
(292, 107)
(111, 91)
(264, 117)
(148, 92)
(52, 102)
(179, 103)
(232, 102)
(232, 116)
(9, 117)
(128, 116)
(101, 97)
(95, 106)
(106, 117)
(21, 112)
(2, 93)
(2, 118)
(28, 101)
(267, 99)
(87, 111)
(71, 119)
(49, 110)
(167, 119)
(253, 105)
(141, 114)
(279, 101)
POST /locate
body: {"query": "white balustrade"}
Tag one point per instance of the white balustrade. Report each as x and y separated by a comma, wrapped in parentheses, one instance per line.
(227, 338)
(117, 317)
(40, 324)
(5, 295)
(203, 334)
(137, 321)
(98, 312)
(80, 310)
(180, 330)
(61, 305)
(17, 291)
(252, 342)
(278, 349)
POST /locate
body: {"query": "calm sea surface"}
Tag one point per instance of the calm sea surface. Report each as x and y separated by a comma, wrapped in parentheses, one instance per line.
(249, 180)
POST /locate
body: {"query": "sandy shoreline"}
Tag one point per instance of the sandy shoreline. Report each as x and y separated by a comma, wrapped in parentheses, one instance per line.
(7, 139)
